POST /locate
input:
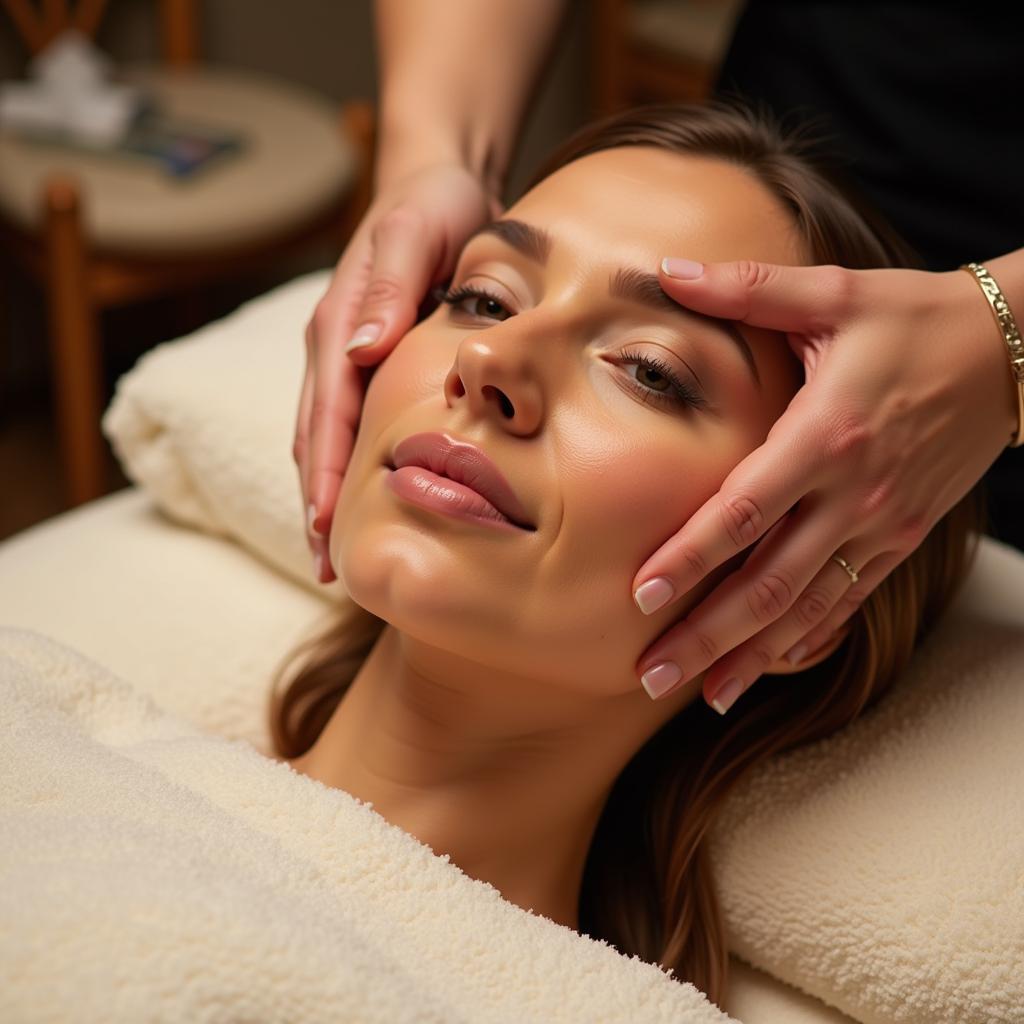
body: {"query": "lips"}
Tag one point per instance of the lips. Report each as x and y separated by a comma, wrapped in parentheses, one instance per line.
(465, 464)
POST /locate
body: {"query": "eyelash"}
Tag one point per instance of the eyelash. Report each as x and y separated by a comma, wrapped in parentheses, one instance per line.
(681, 393)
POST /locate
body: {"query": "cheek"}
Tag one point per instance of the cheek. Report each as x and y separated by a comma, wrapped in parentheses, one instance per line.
(414, 371)
(412, 374)
(629, 483)
(624, 494)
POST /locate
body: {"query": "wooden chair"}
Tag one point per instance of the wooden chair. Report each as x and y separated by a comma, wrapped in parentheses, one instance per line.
(647, 51)
(97, 232)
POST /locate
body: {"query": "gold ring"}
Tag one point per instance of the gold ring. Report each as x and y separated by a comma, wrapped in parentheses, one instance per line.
(846, 565)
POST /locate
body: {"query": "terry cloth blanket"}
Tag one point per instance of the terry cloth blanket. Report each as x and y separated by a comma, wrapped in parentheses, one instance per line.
(151, 872)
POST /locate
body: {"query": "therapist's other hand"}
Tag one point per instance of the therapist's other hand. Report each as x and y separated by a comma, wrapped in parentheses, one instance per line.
(407, 242)
(908, 400)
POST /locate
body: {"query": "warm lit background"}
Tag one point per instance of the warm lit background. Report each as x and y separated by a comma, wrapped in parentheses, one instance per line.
(609, 52)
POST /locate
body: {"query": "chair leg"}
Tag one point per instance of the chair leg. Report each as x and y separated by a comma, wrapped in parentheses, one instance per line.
(5, 333)
(75, 347)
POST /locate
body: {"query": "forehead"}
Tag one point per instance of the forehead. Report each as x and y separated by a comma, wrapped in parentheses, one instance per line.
(641, 203)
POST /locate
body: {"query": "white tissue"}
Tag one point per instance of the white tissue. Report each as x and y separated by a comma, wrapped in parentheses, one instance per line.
(68, 95)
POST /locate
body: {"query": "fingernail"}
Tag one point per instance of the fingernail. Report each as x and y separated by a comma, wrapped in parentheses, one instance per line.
(685, 270)
(365, 335)
(310, 516)
(796, 652)
(726, 696)
(318, 566)
(660, 678)
(653, 594)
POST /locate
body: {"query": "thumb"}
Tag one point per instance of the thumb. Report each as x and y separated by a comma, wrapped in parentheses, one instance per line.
(768, 295)
(404, 260)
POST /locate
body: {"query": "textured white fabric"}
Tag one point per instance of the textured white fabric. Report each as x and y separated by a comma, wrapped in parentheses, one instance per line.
(205, 640)
(882, 869)
(151, 872)
(205, 425)
(193, 621)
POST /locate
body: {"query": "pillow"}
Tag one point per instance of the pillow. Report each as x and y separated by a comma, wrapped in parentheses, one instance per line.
(193, 621)
(881, 869)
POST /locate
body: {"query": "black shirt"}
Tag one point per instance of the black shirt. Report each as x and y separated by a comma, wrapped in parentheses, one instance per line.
(921, 106)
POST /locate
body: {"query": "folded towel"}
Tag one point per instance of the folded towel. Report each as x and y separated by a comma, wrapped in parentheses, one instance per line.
(205, 425)
(150, 872)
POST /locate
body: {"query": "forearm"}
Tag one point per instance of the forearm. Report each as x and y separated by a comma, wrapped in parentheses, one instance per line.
(455, 79)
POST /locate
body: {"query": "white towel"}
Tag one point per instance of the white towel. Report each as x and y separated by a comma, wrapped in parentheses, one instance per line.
(150, 872)
(882, 869)
(205, 425)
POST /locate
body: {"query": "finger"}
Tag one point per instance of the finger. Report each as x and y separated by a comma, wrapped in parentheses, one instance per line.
(336, 399)
(300, 452)
(869, 579)
(755, 495)
(317, 542)
(405, 258)
(734, 674)
(300, 445)
(777, 572)
(335, 418)
(763, 294)
(334, 411)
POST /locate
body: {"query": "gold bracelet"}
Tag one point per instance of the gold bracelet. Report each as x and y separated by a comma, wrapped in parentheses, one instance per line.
(1011, 335)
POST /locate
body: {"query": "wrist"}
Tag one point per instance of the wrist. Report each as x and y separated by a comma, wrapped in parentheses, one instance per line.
(1005, 330)
(411, 143)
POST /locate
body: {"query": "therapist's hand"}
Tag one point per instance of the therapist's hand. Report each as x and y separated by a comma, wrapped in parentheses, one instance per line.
(908, 401)
(407, 242)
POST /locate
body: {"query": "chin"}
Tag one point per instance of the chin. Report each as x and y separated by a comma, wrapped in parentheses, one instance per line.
(411, 581)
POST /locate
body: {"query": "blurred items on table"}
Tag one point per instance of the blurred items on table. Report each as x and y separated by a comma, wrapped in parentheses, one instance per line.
(71, 100)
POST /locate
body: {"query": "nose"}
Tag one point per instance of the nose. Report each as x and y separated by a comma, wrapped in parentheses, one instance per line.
(494, 372)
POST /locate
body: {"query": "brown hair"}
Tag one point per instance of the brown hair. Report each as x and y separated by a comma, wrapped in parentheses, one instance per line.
(647, 886)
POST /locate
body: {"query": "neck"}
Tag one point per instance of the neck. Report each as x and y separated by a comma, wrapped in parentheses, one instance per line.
(507, 775)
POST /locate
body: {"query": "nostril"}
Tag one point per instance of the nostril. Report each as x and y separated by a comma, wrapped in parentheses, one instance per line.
(507, 408)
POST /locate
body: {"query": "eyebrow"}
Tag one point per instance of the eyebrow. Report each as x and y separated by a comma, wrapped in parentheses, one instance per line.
(628, 283)
(644, 288)
(534, 243)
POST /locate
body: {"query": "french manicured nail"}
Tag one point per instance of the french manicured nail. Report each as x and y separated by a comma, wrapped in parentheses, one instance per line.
(660, 678)
(726, 696)
(653, 594)
(685, 270)
(796, 652)
(365, 335)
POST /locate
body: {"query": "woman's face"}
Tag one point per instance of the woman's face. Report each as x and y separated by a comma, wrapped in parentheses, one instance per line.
(545, 374)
